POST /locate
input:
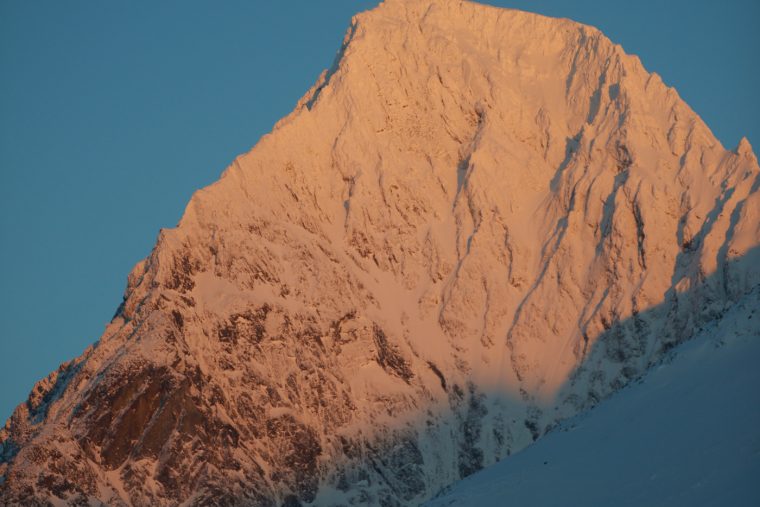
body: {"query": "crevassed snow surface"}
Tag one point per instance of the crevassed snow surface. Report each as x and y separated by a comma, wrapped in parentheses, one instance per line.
(687, 434)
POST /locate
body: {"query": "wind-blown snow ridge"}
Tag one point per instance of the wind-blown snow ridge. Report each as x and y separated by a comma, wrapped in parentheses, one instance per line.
(477, 223)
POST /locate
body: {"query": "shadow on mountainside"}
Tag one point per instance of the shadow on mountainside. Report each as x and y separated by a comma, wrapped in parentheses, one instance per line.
(625, 351)
(487, 425)
(486, 422)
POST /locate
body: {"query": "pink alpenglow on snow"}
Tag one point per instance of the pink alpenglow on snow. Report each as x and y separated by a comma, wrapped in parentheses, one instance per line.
(478, 223)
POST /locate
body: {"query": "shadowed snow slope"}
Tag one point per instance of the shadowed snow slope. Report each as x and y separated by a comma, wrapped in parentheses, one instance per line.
(477, 223)
(687, 435)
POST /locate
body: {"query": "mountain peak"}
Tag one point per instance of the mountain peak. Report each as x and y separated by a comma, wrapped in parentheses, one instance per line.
(476, 223)
(744, 148)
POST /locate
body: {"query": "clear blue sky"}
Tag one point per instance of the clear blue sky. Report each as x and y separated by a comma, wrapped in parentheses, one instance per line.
(113, 113)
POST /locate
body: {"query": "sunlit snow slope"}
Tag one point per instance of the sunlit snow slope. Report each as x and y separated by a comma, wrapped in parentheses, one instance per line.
(688, 434)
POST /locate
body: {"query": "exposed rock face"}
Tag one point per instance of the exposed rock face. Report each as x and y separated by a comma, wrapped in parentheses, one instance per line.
(478, 222)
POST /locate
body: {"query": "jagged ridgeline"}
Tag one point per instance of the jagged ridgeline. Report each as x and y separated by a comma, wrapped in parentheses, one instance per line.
(478, 222)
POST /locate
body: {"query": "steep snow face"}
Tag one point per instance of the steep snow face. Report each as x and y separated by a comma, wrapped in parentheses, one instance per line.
(478, 222)
(687, 434)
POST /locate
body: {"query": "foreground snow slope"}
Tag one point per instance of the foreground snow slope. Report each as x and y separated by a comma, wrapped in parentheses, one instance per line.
(688, 434)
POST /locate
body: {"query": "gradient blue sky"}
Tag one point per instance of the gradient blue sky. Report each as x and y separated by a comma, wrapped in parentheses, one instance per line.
(113, 113)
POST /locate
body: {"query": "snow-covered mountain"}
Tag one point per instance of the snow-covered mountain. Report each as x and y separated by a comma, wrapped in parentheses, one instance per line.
(688, 434)
(477, 223)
